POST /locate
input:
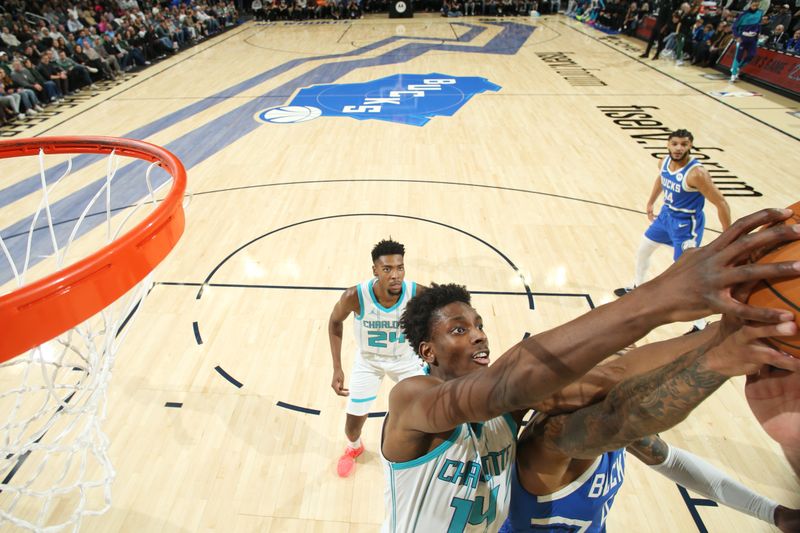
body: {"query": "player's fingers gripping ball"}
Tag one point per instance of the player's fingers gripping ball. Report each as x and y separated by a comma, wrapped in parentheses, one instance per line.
(783, 293)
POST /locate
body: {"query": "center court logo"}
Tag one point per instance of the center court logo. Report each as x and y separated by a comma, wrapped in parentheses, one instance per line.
(402, 98)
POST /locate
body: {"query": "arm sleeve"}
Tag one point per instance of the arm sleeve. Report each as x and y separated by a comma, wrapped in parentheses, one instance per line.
(692, 472)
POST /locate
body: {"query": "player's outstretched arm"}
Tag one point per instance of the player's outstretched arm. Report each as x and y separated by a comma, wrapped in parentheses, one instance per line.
(596, 384)
(539, 366)
(700, 476)
(347, 304)
(664, 397)
(708, 278)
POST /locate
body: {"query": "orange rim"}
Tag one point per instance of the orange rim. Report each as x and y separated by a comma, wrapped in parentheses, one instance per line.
(46, 308)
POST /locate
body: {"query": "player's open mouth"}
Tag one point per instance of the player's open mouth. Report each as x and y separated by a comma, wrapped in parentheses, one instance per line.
(482, 357)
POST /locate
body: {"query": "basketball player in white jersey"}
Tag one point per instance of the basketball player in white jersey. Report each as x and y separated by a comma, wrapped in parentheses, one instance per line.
(448, 442)
(685, 185)
(571, 466)
(377, 305)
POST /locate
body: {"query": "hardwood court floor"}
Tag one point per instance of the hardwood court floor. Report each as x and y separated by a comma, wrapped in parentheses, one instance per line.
(531, 195)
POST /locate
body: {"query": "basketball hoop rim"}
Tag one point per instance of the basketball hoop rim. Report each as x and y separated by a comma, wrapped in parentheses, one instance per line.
(47, 307)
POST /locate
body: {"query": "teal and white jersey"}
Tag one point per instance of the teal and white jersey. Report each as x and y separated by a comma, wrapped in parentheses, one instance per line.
(377, 329)
(463, 485)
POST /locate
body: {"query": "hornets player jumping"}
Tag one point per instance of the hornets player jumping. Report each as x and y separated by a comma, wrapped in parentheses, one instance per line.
(382, 349)
(686, 185)
(448, 444)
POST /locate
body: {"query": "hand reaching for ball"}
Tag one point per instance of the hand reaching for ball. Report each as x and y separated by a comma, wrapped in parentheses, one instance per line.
(774, 398)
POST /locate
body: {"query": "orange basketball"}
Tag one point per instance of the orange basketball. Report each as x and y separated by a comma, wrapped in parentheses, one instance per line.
(785, 293)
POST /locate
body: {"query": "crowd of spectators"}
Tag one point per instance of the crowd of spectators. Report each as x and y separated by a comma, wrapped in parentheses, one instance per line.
(354, 9)
(50, 49)
(315, 9)
(698, 31)
(495, 8)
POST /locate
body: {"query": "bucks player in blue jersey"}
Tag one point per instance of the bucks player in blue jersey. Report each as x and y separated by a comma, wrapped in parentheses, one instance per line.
(568, 470)
(377, 305)
(680, 223)
(448, 440)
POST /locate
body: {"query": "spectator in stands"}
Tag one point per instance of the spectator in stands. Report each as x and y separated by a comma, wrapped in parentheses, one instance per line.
(77, 75)
(697, 30)
(777, 39)
(525, 7)
(572, 8)
(793, 44)
(211, 25)
(24, 33)
(704, 36)
(94, 66)
(9, 39)
(631, 20)
(764, 29)
(258, 9)
(73, 24)
(45, 38)
(718, 44)
(455, 9)
(133, 54)
(51, 71)
(683, 32)
(608, 15)
(353, 10)
(670, 40)
(56, 32)
(782, 17)
(45, 90)
(5, 65)
(68, 44)
(10, 102)
(663, 17)
(29, 102)
(170, 34)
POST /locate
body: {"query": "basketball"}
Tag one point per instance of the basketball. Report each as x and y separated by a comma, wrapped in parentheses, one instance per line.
(785, 293)
(289, 114)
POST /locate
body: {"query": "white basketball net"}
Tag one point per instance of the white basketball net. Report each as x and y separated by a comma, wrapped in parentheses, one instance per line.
(54, 464)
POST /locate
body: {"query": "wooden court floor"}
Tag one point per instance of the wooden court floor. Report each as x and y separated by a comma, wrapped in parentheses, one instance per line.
(532, 195)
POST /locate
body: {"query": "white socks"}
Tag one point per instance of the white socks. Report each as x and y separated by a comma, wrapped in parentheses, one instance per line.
(646, 249)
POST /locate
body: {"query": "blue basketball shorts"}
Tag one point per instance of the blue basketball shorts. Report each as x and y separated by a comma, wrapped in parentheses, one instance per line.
(679, 230)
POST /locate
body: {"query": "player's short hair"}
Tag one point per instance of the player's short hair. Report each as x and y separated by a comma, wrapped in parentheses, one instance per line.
(681, 133)
(387, 247)
(418, 318)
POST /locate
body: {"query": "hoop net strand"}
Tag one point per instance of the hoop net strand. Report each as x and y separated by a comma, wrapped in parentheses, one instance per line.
(54, 462)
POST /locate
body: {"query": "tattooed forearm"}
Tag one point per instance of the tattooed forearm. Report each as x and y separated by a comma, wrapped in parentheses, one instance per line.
(651, 450)
(643, 405)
